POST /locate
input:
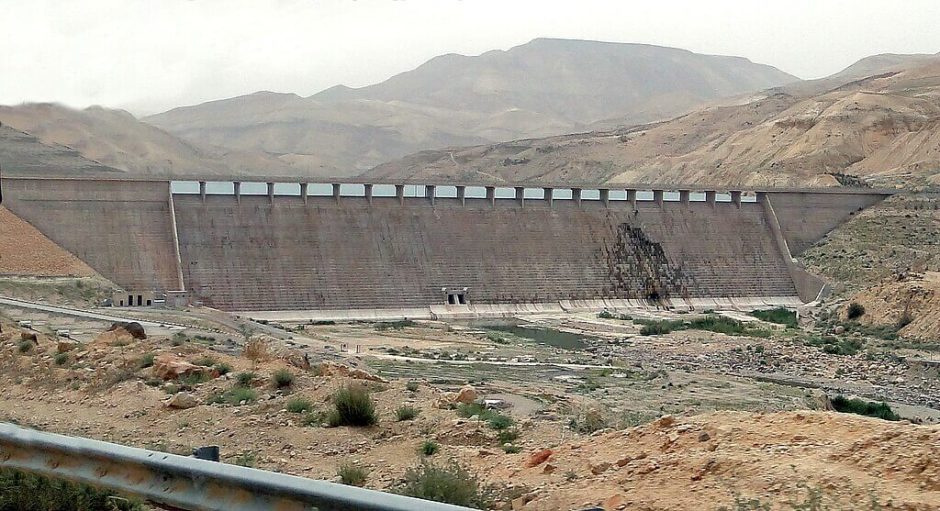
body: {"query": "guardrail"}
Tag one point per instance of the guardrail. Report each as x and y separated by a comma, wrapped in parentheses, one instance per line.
(187, 483)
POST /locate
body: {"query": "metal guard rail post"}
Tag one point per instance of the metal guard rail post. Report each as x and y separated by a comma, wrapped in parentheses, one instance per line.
(187, 483)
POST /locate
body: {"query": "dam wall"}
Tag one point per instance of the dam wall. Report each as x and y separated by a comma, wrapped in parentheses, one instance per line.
(255, 254)
(279, 246)
(120, 228)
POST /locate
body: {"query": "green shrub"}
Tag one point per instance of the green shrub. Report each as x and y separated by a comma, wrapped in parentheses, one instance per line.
(499, 421)
(429, 448)
(394, 325)
(21, 491)
(508, 436)
(172, 388)
(495, 419)
(188, 381)
(244, 379)
(282, 378)
(855, 311)
(313, 418)
(204, 361)
(710, 323)
(234, 396)
(246, 459)
(451, 484)
(605, 315)
(222, 368)
(412, 386)
(178, 339)
(658, 327)
(780, 316)
(25, 346)
(867, 408)
(512, 449)
(61, 359)
(719, 324)
(145, 361)
(299, 405)
(406, 413)
(352, 475)
(352, 406)
(836, 346)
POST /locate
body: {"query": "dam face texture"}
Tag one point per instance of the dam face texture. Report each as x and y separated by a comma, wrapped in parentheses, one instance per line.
(260, 246)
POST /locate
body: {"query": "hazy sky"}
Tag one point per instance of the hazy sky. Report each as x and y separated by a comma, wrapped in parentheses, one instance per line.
(151, 55)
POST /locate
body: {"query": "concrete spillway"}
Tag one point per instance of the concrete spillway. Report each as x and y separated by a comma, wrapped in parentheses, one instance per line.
(299, 252)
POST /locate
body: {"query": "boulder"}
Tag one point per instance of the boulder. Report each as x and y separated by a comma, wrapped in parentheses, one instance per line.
(66, 345)
(182, 401)
(666, 421)
(467, 395)
(538, 457)
(134, 328)
(29, 336)
(333, 369)
(170, 367)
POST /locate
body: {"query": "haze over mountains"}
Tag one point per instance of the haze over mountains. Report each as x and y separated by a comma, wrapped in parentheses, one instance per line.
(880, 130)
(545, 87)
(749, 123)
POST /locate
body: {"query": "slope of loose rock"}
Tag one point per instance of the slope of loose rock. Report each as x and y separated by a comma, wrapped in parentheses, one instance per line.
(26, 251)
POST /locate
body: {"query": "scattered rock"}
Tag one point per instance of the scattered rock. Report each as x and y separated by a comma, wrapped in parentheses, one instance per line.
(333, 369)
(170, 367)
(135, 329)
(538, 457)
(704, 436)
(182, 401)
(600, 468)
(66, 345)
(613, 502)
(467, 395)
(665, 421)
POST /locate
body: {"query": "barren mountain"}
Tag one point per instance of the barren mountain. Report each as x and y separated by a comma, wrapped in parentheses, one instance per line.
(883, 130)
(545, 87)
(22, 154)
(117, 139)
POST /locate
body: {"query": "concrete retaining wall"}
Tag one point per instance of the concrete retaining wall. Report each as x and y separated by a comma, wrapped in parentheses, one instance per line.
(806, 217)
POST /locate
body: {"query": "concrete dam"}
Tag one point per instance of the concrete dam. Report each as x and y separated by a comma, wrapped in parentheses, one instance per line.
(364, 249)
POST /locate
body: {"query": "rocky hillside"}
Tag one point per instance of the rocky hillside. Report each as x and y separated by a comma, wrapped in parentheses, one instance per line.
(115, 138)
(173, 395)
(25, 155)
(545, 87)
(883, 130)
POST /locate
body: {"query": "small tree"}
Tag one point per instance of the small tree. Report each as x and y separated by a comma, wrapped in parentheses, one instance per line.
(855, 311)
